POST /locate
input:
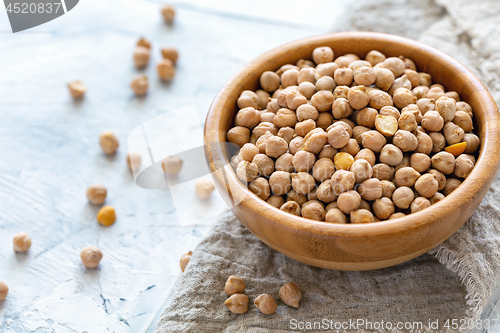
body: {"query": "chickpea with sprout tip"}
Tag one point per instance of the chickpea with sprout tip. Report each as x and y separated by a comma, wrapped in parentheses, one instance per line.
(350, 140)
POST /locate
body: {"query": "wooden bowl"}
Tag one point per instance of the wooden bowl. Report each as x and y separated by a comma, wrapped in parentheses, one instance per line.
(356, 246)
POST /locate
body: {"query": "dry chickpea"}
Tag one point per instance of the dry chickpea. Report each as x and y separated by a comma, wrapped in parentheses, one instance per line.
(384, 78)
(325, 83)
(413, 77)
(383, 208)
(269, 81)
(294, 99)
(388, 188)
(141, 56)
(324, 120)
(365, 205)
(314, 210)
(323, 169)
(438, 141)
(296, 145)
(335, 215)
(247, 171)
(390, 111)
(302, 63)
(341, 108)
(404, 163)
(248, 152)
(293, 195)
(171, 165)
(322, 100)
(140, 85)
(352, 147)
(248, 117)
(463, 166)
(289, 78)
(379, 99)
(357, 64)
(404, 140)
(234, 285)
(91, 256)
(382, 171)
(325, 192)
(425, 79)
(306, 112)
(306, 74)
(342, 181)
(362, 170)
(283, 163)
(4, 291)
(327, 152)
(343, 161)
(472, 141)
(370, 189)
(463, 120)
(343, 76)
(96, 194)
(280, 182)
(205, 187)
(286, 67)
(358, 97)
(453, 133)
(366, 154)
(387, 125)
(285, 118)
(303, 161)
(425, 143)
(325, 69)
(374, 57)
(266, 304)
(238, 135)
(441, 178)
(106, 216)
(166, 69)
(276, 146)
(451, 185)
(338, 136)
(407, 122)
(403, 97)
(264, 98)
(315, 140)
(435, 93)
(391, 155)
(290, 294)
(291, 207)
(109, 142)
(261, 142)
(171, 53)
(303, 183)
(444, 162)
(425, 105)
(373, 140)
(420, 92)
(307, 89)
(446, 107)
(237, 303)
(432, 121)
(396, 216)
(331, 205)
(420, 162)
(436, 198)
(77, 89)
(361, 216)
(419, 203)
(276, 201)
(248, 99)
(406, 176)
(340, 92)
(395, 65)
(264, 127)
(464, 106)
(287, 134)
(22, 242)
(366, 117)
(403, 197)
(348, 201)
(168, 13)
(357, 131)
(364, 75)
(427, 185)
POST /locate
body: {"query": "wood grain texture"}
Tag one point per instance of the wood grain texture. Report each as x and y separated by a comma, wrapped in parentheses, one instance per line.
(365, 246)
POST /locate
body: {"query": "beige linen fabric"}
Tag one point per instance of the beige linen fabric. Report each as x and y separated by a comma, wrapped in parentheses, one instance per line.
(453, 281)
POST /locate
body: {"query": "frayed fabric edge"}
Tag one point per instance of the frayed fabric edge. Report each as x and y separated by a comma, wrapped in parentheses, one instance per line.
(474, 302)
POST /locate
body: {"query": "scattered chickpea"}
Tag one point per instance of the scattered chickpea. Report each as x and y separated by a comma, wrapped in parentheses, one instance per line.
(266, 304)
(186, 257)
(22, 242)
(290, 294)
(77, 89)
(4, 291)
(96, 194)
(141, 56)
(204, 188)
(166, 69)
(234, 285)
(106, 216)
(237, 303)
(171, 165)
(140, 85)
(168, 13)
(109, 142)
(91, 256)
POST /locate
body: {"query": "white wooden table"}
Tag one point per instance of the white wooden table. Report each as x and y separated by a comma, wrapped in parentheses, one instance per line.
(50, 154)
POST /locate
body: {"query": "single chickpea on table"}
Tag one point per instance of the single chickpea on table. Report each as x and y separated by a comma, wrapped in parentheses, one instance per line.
(374, 137)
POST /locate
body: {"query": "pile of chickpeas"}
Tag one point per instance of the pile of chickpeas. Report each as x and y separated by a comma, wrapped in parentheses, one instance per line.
(348, 140)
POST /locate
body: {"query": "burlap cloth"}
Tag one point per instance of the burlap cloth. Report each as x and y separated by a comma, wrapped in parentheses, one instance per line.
(453, 281)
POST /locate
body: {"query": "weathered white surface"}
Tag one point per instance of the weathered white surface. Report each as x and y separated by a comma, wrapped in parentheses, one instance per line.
(50, 152)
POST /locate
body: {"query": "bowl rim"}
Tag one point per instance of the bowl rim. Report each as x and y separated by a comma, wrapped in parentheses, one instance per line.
(486, 164)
